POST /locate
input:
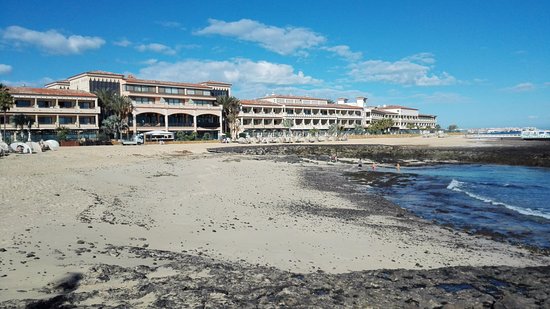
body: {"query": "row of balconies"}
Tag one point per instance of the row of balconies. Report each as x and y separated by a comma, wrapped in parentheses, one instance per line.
(252, 113)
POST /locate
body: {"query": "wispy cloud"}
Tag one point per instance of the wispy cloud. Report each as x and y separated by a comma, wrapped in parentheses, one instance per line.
(237, 71)
(345, 52)
(28, 83)
(521, 87)
(123, 42)
(156, 48)
(5, 68)
(171, 24)
(51, 41)
(412, 70)
(284, 41)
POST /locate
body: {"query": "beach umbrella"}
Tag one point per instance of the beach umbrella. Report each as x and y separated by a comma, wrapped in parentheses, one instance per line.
(34, 146)
(26, 148)
(4, 146)
(53, 144)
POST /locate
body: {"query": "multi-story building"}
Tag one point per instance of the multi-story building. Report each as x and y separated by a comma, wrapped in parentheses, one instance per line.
(403, 117)
(159, 105)
(278, 113)
(52, 108)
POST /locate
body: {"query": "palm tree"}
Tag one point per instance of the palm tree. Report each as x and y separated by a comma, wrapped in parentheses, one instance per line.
(117, 107)
(230, 113)
(288, 123)
(6, 103)
(29, 121)
(19, 120)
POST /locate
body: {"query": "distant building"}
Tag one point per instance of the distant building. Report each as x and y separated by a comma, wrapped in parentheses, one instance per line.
(159, 105)
(278, 113)
(403, 117)
(52, 108)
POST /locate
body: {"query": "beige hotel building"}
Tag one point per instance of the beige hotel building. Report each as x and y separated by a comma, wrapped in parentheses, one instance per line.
(159, 105)
(76, 110)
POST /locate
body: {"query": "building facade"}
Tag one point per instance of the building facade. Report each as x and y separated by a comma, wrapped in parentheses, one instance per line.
(52, 108)
(280, 113)
(404, 118)
(159, 105)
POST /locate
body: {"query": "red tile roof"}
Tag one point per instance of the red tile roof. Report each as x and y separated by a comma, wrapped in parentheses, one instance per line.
(397, 107)
(50, 92)
(215, 82)
(269, 103)
(260, 102)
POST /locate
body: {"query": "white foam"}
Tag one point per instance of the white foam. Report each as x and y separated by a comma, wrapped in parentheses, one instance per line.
(455, 186)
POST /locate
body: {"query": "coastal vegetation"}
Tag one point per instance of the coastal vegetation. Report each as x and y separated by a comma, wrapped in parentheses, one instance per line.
(117, 109)
(231, 106)
(6, 103)
(380, 126)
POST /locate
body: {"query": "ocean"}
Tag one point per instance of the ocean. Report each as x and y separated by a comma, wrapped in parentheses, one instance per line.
(510, 203)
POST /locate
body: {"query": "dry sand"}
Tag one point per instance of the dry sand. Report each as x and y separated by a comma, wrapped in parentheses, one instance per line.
(62, 210)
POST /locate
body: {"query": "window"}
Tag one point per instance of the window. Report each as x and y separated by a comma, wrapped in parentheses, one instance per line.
(45, 104)
(202, 102)
(22, 103)
(45, 120)
(190, 91)
(140, 88)
(85, 105)
(170, 90)
(142, 100)
(65, 104)
(66, 120)
(87, 120)
(173, 101)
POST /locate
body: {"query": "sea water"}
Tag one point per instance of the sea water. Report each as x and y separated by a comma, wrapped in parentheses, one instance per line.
(511, 203)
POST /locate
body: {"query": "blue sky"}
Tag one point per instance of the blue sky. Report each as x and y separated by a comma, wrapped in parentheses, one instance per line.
(472, 63)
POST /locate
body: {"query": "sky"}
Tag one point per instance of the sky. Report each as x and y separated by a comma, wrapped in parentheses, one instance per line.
(472, 63)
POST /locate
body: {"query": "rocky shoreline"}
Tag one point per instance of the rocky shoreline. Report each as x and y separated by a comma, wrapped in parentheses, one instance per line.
(196, 281)
(512, 153)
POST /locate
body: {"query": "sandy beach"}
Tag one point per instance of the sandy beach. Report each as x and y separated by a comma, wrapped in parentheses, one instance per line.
(68, 211)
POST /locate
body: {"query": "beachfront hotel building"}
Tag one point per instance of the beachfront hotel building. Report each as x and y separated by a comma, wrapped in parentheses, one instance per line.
(280, 113)
(159, 105)
(403, 117)
(52, 108)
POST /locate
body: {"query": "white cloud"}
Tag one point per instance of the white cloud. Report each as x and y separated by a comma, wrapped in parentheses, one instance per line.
(237, 71)
(533, 117)
(5, 68)
(150, 61)
(345, 52)
(123, 43)
(51, 41)
(425, 58)
(547, 84)
(521, 87)
(171, 24)
(157, 48)
(284, 41)
(20, 83)
(412, 70)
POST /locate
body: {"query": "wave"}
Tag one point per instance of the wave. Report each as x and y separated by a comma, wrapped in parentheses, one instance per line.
(456, 185)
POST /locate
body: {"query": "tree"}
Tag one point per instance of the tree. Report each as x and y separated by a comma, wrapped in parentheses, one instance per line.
(358, 129)
(62, 133)
(6, 103)
(118, 108)
(411, 126)
(381, 125)
(288, 123)
(29, 121)
(452, 128)
(231, 106)
(19, 121)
